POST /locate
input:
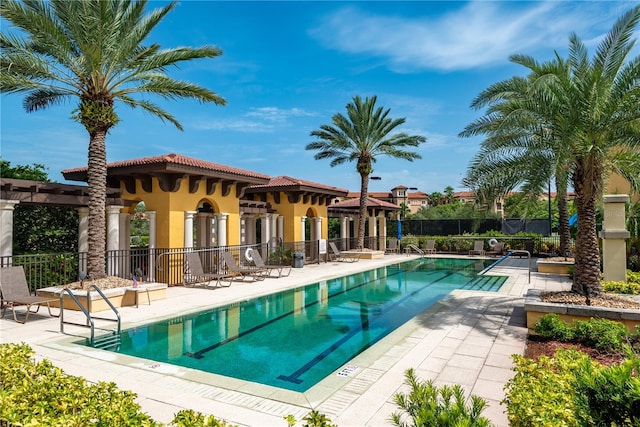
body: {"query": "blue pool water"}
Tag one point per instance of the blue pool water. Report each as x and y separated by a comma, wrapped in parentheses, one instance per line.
(294, 339)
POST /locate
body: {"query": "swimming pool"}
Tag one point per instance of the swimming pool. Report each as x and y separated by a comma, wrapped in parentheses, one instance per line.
(296, 338)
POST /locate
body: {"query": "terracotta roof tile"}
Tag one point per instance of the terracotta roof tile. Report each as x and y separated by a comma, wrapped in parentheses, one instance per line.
(371, 202)
(177, 159)
(287, 181)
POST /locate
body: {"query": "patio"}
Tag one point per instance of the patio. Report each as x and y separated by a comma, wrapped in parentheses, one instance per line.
(467, 339)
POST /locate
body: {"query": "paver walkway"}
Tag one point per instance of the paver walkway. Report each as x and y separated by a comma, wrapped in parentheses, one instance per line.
(467, 338)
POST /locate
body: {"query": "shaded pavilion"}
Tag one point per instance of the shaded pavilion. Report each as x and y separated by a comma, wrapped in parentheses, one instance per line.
(377, 213)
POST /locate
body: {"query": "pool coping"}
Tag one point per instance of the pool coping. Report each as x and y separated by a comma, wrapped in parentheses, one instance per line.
(310, 399)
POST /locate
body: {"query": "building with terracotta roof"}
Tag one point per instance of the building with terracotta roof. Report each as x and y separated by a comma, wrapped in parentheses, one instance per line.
(397, 196)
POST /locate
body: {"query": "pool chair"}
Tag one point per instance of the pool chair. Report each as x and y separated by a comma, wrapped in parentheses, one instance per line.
(280, 270)
(430, 247)
(336, 255)
(194, 273)
(478, 248)
(497, 250)
(393, 246)
(253, 273)
(15, 292)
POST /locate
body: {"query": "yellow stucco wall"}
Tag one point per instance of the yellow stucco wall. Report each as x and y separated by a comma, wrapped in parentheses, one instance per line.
(293, 213)
(170, 208)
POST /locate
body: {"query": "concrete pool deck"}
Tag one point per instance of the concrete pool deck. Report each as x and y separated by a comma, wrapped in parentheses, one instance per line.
(467, 338)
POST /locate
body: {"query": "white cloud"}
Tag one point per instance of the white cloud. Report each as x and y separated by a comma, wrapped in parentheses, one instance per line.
(257, 120)
(477, 34)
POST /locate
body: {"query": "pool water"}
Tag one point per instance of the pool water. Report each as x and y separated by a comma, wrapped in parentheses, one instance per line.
(296, 338)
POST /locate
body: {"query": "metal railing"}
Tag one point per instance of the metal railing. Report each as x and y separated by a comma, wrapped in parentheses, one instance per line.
(87, 312)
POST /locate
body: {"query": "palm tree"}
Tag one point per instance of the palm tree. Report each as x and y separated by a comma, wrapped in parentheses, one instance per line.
(93, 51)
(525, 145)
(362, 136)
(592, 117)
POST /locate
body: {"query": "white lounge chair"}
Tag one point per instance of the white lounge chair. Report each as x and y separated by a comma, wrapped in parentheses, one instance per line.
(336, 255)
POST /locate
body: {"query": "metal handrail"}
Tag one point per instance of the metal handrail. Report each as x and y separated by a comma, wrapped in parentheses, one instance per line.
(87, 311)
(415, 248)
(504, 257)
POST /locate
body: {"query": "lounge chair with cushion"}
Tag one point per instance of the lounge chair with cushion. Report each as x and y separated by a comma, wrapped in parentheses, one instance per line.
(478, 248)
(15, 292)
(280, 270)
(336, 255)
(430, 247)
(232, 267)
(194, 273)
(393, 246)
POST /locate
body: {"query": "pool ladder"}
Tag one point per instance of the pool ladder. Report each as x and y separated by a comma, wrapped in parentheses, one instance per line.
(110, 340)
(411, 246)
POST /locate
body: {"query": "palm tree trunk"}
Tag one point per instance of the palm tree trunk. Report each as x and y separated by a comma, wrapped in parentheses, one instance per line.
(97, 180)
(563, 216)
(586, 277)
(364, 196)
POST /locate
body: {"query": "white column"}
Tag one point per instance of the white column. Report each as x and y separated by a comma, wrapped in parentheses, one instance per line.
(273, 235)
(188, 228)
(6, 229)
(265, 229)
(250, 229)
(221, 220)
(203, 228)
(371, 220)
(303, 223)
(280, 228)
(113, 238)
(318, 228)
(151, 273)
(83, 237)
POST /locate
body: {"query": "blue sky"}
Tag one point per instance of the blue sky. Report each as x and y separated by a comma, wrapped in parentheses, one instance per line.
(287, 67)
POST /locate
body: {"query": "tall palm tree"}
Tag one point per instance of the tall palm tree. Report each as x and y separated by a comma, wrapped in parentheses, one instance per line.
(362, 136)
(93, 51)
(592, 117)
(524, 146)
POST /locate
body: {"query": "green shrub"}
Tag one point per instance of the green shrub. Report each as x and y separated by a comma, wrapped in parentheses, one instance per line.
(190, 418)
(38, 393)
(428, 405)
(609, 396)
(601, 334)
(543, 393)
(633, 263)
(630, 287)
(550, 326)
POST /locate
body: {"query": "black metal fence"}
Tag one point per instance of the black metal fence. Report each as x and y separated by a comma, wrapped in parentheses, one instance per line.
(168, 265)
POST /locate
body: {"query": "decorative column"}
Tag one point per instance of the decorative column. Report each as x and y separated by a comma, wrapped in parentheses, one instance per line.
(382, 226)
(250, 229)
(113, 238)
(265, 230)
(613, 235)
(273, 235)
(151, 273)
(83, 238)
(372, 229)
(280, 228)
(188, 228)
(6, 230)
(317, 228)
(124, 258)
(344, 231)
(221, 219)
(303, 223)
(203, 220)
